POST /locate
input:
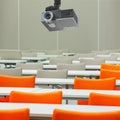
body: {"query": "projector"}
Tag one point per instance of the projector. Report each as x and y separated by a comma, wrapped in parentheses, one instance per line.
(55, 19)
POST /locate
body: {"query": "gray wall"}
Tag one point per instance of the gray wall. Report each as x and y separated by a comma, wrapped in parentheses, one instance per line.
(109, 24)
(8, 24)
(98, 25)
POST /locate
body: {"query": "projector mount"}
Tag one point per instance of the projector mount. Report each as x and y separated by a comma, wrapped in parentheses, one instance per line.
(56, 6)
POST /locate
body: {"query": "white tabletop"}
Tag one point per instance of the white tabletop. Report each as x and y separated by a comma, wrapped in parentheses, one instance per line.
(92, 67)
(113, 62)
(62, 81)
(49, 56)
(46, 110)
(34, 58)
(118, 58)
(67, 93)
(87, 73)
(106, 61)
(12, 61)
(53, 81)
(68, 54)
(7, 90)
(78, 94)
(49, 66)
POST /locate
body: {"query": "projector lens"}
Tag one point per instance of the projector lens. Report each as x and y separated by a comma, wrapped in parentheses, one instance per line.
(47, 16)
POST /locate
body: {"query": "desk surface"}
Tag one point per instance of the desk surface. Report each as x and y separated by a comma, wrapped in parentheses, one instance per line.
(49, 56)
(62, 81)
(46, 110)
(67, 93)
(78, 94)
(113, 61)
(92, 67)
(87, 73)
(106, 61)
(34, 58)
(7, 90)
(53, 81)
(12, 61)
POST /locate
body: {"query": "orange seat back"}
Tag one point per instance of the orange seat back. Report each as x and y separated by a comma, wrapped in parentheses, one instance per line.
(17, 81)
(104, 99)
(54, 97)
(15, 114)
(104, 73)
(95, 84)
(73, 115)
(110, 66)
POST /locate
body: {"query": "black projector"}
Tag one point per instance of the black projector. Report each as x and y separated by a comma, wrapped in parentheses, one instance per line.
(57, 20)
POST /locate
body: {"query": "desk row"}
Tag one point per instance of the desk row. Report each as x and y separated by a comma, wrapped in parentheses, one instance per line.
(66, 93)
(45, 111)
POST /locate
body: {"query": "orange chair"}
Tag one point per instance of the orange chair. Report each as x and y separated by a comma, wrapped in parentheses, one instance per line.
(94, 84)
(104, 99)
(15, 114)
(110, 66)
(15, 81)
(73, 115)
(54, 97)
(105, 73)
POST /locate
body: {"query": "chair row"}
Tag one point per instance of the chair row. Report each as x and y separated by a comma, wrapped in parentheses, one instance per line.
(106, 70)
(60, 114)
(55, 97)
(79, 83)
(18, 70)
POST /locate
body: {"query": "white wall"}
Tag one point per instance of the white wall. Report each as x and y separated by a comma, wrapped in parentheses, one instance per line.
(8, 24)
(109, 24)
(33, 35)
(83, 39)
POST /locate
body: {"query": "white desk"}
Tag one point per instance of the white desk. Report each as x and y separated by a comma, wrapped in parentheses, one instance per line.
(49, 56)
(78, 94)
(112, 62)
(67, 93)
(86, 73)
(118, 58)
(54, 81)
(48, 67)
(34, 58)
(90, 67)
(106, 61)
(88, 58)
(11, 62)
(6, 90)
(62, 81)
(103, 55)
(38, 111)
(68, 54)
